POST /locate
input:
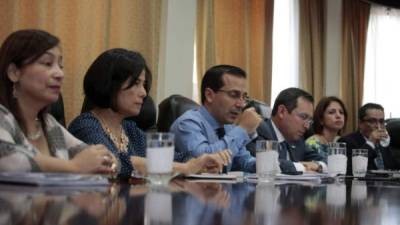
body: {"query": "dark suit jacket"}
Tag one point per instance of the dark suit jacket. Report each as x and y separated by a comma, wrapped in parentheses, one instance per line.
(356, 140)
(299, 151)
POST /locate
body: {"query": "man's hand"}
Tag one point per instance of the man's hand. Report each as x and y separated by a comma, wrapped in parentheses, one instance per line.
(312, 166)
(378, 135)
(249, 120)
(210, 163)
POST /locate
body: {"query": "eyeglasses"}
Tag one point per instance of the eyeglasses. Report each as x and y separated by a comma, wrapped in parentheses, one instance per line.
(373, 121)
(236, 95)
(306, 118)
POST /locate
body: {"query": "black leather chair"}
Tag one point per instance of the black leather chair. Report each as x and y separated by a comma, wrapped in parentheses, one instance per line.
(171, 108)
(261, 108)
(146, 120)
(393, 128)
(57, 110)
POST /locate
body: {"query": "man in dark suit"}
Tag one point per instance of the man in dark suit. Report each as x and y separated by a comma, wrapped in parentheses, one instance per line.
(371, 135)
(291, 118)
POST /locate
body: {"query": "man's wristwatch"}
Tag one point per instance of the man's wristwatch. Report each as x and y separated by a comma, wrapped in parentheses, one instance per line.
(319, 170)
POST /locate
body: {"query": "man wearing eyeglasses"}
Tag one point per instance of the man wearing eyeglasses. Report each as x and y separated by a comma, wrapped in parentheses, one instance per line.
(371, 135)
(219, 126)
(291, 117)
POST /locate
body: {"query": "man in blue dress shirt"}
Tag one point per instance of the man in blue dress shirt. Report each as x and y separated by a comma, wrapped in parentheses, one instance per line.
(219, 126)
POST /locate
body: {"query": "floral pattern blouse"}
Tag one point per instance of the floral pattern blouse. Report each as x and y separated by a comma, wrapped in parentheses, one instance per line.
(315, 144)
(17, 153)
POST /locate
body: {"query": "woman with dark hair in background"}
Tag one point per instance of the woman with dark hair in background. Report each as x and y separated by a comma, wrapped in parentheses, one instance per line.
(115, 86)
(330, 118)
(31, 75)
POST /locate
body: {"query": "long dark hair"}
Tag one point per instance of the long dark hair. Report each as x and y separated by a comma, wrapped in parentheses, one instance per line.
(21, 48)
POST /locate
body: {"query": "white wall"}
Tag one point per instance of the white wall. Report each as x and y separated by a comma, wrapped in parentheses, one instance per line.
(177, 48)
(333, 47)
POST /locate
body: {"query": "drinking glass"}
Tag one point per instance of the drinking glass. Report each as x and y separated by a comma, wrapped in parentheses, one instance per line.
(360, 162)
(267, 159)
(337, 158)
(160, 156)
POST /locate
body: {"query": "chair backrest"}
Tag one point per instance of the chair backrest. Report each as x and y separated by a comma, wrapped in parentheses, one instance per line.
(393, 128)
(57, 110)
(145, 120)
(171, 108)
(261, 108)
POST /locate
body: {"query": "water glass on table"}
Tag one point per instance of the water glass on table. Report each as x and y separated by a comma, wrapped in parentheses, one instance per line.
(360, 162)
(160, 156)
(267, 164)
(337, 158)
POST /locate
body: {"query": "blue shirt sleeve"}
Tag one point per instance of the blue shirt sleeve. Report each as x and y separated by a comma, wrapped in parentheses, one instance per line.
(194, 137)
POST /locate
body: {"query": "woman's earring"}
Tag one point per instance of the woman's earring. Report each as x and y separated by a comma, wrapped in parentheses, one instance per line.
(14, 90)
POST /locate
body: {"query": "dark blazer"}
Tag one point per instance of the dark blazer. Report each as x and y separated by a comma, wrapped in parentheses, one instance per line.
(298, 150)
(356, 140)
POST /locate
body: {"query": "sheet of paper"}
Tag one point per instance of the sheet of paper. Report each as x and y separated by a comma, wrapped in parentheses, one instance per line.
(225, 176)
(52, 179)
(306, 177)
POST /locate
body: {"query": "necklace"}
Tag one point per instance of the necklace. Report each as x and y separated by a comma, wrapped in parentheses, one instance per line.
(37, 134)
(120, 142)
(324, 140)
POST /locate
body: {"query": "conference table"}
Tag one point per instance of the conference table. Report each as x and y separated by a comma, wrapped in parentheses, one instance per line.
(184, 201)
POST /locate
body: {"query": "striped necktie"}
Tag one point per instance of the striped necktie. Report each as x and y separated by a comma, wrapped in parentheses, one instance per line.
(285, 151)
(379, 159)
(220, 132)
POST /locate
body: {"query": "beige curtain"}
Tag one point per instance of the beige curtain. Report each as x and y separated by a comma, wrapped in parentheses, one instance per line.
(355, 24)
(237, 32)
(87, 28)
(311, 52)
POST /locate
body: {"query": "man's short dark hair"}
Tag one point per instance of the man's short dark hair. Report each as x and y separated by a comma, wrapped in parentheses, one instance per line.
(213, 77)
(288, 98)
(108, 72)
(362, 112)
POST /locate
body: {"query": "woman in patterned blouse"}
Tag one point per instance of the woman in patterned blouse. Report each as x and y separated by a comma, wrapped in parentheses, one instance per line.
(115, 86)
(31, 75)
(330, 118)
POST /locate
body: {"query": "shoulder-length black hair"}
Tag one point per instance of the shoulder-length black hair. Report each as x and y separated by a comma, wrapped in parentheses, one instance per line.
(107, 74)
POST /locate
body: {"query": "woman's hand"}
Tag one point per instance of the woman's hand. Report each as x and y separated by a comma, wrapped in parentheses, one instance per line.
(139, 165)
(95, 159)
